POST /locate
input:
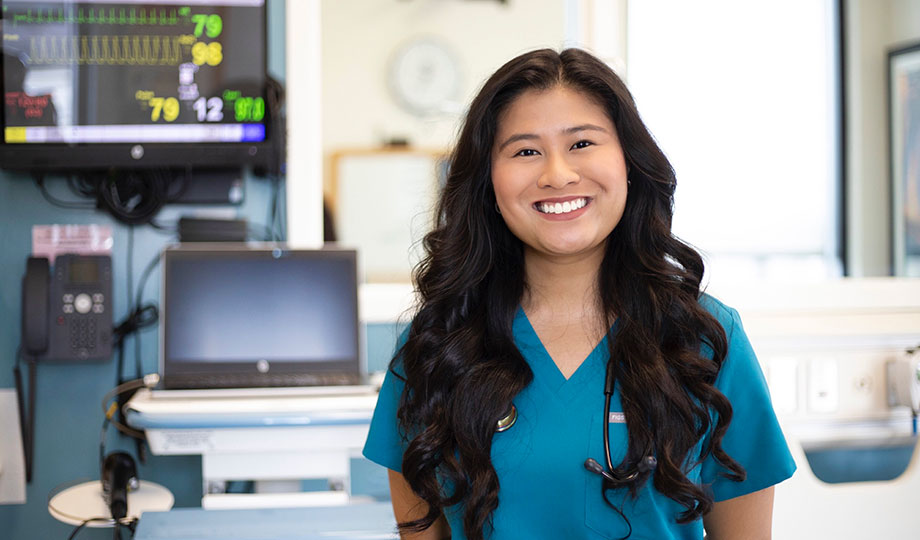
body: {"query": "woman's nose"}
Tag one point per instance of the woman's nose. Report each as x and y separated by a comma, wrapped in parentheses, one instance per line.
(558, 172)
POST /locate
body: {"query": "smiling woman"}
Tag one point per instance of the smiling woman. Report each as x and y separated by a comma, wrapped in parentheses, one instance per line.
(552, 278)
(559, 173)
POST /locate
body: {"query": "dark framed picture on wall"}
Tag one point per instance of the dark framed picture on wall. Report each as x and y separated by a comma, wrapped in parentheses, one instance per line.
(904, 148)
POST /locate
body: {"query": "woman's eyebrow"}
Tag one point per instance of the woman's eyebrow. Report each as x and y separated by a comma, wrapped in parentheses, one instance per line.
(584, 127)
(517, 137)
(569, 130)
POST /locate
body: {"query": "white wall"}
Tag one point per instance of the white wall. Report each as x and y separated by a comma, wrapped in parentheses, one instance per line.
(360, 37)
(359, 41)
(904, 21)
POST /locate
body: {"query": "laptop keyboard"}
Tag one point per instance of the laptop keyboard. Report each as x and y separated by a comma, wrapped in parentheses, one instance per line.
(247, 381)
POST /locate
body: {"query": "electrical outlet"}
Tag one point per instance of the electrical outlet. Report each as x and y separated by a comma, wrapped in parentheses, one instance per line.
(823, 385)
(861, 376)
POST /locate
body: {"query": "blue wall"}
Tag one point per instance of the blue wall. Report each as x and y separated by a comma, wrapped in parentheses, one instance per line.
(68, 411)
(68, 397)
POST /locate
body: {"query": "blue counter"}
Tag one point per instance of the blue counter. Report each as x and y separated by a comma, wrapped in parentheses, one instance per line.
(373, 521)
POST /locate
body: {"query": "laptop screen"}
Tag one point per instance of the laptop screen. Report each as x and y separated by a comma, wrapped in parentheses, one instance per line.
(238, 316)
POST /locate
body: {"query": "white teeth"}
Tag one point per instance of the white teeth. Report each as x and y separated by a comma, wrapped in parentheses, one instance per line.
(562, 208)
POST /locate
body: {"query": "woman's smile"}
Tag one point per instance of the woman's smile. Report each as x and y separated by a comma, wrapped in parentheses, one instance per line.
(565, 209)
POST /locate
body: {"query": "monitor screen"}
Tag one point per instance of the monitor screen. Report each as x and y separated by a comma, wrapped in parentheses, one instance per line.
(252, 316)
(126, 80)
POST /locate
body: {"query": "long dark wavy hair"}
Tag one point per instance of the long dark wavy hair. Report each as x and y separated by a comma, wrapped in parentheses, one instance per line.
(460, 363)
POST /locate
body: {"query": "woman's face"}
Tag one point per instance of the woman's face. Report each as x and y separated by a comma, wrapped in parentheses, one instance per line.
(558, 172)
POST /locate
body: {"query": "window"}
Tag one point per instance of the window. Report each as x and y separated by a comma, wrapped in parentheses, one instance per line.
(743, 99)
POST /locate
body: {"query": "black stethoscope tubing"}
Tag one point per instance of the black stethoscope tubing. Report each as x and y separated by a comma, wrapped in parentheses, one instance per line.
(610, 479)
(606, 424)
(647, 463)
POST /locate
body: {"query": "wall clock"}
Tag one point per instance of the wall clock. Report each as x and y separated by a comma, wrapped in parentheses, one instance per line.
(424, 77)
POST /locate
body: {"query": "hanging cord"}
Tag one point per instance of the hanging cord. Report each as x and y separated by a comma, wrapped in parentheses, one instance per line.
(82, 185)
(26, 415)
(120, 378)
(132, 307)
(273, 208)
(139, 317)
(39, 180)
(110, 407)
(274, 97)
(169, 229)
(262, 232)
(87, 522)
(177, 185)
(134, 198)
(129, 523)
(147, 315)
(281, 210)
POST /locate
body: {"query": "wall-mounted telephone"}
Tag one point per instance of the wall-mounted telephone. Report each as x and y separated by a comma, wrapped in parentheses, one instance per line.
(67, 318)
(67, 311)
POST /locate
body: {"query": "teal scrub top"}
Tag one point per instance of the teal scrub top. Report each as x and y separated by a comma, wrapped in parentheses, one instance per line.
(546, 492)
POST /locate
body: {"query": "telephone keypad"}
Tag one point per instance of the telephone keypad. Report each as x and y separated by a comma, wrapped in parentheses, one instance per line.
(82, 329)
(83, 334)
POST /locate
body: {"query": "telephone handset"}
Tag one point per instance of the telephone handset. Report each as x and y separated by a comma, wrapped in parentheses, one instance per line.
(35, 311)
(66, 312)
(66, 317)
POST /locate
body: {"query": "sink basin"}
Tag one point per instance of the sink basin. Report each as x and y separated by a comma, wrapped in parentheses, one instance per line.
(860, 460)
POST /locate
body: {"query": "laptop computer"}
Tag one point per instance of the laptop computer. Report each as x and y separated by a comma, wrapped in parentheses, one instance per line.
(235, 318)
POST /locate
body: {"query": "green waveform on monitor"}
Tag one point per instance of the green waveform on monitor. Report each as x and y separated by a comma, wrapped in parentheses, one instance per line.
(134, 16)
(144, 50)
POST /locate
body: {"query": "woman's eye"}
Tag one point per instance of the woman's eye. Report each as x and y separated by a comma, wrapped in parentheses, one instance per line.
(527, 152)
(582, 144)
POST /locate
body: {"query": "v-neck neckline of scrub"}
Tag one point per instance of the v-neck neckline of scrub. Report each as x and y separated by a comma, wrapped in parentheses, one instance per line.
(544, 367)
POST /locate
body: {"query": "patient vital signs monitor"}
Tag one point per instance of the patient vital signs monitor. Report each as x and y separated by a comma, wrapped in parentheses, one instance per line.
(135, 84)
(234, 316)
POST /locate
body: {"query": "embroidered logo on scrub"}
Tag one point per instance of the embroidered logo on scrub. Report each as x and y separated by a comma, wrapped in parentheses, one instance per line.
(616, 418)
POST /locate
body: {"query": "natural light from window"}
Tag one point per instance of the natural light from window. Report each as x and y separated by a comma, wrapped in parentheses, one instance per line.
(742, 98)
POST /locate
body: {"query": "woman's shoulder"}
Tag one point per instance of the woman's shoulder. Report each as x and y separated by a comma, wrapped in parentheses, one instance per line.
(724, 313)
(727, 316)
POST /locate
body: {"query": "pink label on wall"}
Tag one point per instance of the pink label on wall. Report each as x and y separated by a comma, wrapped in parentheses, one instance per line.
(52, 240)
